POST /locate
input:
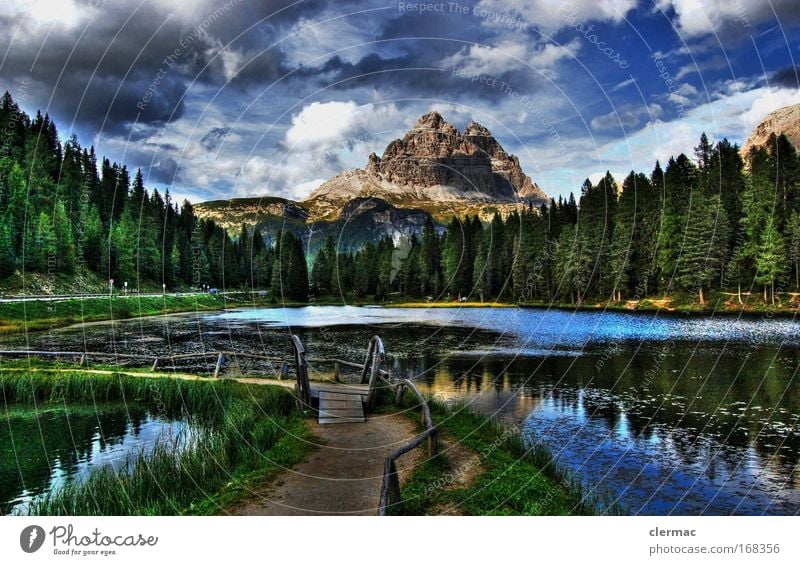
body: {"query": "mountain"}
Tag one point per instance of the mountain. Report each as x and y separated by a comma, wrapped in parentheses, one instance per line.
(784, 120)
(433, 171)
(437, 168)
(261, 210)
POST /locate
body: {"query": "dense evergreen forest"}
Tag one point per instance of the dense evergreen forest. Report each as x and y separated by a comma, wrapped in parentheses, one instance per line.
(712, 223)
(62, 213)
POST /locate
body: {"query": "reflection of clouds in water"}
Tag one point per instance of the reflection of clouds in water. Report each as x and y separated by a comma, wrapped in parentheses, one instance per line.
(105, 445)
(533, 326)
(716, 414)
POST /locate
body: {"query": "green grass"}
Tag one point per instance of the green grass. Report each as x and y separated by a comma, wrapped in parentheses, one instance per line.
(513, 479)
(41, 314)
(244, 432)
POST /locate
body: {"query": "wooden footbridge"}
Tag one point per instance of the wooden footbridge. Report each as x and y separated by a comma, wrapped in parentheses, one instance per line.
(334, 401)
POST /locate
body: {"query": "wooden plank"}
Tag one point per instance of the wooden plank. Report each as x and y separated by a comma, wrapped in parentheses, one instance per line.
(335, 408)
(342, 404)
(338, 396)
(341, 420)
(352, 389)
(341, 413)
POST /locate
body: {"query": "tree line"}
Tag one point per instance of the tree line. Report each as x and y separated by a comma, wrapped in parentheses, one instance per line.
(715, 222)
(64, 213)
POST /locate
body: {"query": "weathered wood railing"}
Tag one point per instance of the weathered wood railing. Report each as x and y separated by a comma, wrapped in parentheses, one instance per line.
(83, 356)
(371, 371)
(390, 488)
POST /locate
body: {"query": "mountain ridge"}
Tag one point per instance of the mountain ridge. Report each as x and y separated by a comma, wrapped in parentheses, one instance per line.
(434, 163)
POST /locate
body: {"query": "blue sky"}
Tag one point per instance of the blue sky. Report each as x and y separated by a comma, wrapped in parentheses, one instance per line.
(246, 98)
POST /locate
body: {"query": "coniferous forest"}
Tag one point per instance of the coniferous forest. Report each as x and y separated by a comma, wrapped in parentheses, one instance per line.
(696, 225)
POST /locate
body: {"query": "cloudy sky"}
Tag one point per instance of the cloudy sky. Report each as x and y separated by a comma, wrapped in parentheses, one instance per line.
(253, 97)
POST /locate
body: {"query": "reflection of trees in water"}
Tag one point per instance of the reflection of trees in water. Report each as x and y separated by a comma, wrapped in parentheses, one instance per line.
(33, 444)
(660, 387)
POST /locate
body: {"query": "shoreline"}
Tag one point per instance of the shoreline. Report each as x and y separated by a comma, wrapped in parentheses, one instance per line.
(486, 468)
(41, 315)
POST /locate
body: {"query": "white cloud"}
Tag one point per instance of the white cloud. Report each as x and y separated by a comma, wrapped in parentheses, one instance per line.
(683, 95)
(321, 123)
(510, 55)
(43, 12)
(627, 116)
(550, 17)
(695, 18)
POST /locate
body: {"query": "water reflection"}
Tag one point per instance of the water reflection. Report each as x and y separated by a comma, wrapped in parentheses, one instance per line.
(43, 450)
(669, 415)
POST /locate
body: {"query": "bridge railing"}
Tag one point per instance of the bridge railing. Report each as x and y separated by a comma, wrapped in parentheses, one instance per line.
(390, 487)
(83, 356)
(371, 371)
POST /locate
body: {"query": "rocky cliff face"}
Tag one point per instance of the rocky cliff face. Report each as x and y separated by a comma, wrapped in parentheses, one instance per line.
(434, 163)
(433, 171)
(784, 120)
(232, 214)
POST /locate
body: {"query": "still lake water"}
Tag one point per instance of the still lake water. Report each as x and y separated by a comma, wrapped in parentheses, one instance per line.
(41, 450)
(662, 414)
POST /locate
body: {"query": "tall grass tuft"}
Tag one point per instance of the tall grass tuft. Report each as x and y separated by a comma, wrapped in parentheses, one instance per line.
(236, 426)
(518, 477)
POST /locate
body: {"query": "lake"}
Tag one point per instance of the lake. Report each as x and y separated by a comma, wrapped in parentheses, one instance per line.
(660, 414)
(42, 449)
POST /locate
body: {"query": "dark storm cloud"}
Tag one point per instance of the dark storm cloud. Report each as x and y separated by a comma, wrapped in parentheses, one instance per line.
(788, 77)
(115, 57)
(214, 138)
(164, 170)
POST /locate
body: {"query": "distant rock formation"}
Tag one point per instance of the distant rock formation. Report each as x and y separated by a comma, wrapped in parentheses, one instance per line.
(434, 163)
(784, 120)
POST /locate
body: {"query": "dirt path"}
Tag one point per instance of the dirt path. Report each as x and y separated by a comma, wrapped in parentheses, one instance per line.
(342, 476)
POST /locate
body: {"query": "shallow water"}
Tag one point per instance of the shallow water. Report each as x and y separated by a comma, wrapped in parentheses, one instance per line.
(42, 450)
(683, 415)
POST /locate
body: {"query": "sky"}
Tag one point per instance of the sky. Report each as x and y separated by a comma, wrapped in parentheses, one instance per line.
(217, 100)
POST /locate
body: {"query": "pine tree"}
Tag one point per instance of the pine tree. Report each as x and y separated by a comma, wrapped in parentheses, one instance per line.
(705, 244)
(771, 259)
(793, 244)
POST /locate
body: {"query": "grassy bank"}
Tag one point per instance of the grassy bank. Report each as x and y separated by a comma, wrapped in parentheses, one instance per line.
(509, 478)
(45, 314)
(242, 431)
(678, 303)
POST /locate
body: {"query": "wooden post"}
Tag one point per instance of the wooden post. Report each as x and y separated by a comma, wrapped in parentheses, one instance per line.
(433, 444)
(284, 370)
(303, 386)
(336, 371)
(365, 370)
(398, 398)
(393, 487)
(220, 357)
(155, 364)
(82, 361)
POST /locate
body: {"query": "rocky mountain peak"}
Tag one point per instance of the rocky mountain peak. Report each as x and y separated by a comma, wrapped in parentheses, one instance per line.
(432, 164)
(431, 120)
(475, 129)
(783, 120)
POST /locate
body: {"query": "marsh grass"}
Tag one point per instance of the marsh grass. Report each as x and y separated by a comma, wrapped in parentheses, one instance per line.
(515, 479)
(46, 314)
(240, 430)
